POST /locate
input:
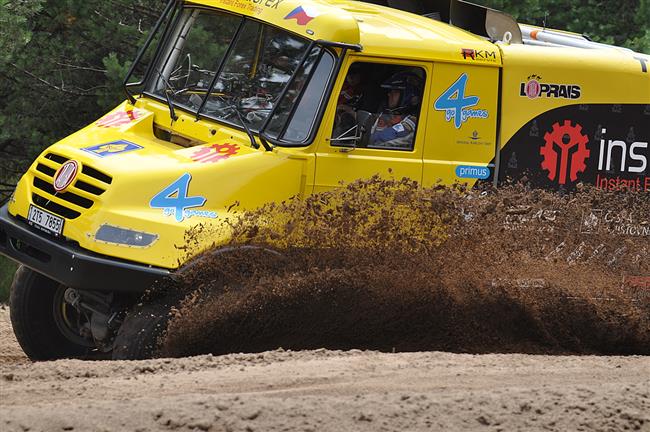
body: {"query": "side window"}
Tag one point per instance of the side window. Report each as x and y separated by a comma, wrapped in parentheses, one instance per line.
(294, 118)
(379, 106)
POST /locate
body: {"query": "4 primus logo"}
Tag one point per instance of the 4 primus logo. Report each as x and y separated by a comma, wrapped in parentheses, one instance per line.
(533, 88)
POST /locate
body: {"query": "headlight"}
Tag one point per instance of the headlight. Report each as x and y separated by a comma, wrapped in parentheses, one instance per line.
(124, 237)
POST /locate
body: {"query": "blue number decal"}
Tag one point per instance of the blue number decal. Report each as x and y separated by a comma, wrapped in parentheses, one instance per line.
(454, 102)
(174, 200)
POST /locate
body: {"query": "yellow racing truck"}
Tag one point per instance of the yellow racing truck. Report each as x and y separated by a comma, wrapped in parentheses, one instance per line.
(254, 101)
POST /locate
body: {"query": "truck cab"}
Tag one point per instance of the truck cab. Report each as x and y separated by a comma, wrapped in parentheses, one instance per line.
(232, 104)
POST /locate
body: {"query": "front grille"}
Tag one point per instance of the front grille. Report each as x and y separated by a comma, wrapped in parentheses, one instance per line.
(89, 188)
(56, 158)
(92, 172)
(71, 203)
(67, 196)
(46, 170)
(66, 212)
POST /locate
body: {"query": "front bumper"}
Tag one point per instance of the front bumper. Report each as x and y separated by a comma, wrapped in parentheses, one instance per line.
(71, 265)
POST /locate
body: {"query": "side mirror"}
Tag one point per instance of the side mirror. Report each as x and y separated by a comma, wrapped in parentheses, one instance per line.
(362, 119)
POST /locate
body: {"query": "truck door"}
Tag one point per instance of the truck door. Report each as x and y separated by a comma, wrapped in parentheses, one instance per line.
(461, 124)
(373, 125)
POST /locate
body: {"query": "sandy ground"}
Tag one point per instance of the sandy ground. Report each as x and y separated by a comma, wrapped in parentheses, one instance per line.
(324, 391)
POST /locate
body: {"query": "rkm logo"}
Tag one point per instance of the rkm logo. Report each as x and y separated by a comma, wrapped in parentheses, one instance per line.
(479, 54)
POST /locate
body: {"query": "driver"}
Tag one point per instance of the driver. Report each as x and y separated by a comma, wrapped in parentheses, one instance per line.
(395, 126)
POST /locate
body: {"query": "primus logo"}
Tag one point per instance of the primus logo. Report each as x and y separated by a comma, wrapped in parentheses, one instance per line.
(534, 89)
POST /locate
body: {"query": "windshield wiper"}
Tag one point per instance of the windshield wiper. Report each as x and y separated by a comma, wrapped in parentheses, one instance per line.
(254, 143)
(168, 89)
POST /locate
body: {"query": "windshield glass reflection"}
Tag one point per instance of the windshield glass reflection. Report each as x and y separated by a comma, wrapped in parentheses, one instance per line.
(253, 72)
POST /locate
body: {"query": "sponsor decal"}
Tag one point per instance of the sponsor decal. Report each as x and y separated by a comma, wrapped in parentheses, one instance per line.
(472, 172)
(528, 219)
(175, 201)
(65, 175)
(457, 106)
(644, 63)
(474, 139)
(565, 152)
(214, 153)
(479, 55)
(120, 118)
(271, 4)
(533, 88)
(254, 7)
(616, 155)
(587, 253)
(112, 148)
(620, 223)
(607, 146)
(302, 14)
(591, 222)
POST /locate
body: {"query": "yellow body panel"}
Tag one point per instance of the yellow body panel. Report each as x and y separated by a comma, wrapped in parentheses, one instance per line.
(474, 142)
(221, 167)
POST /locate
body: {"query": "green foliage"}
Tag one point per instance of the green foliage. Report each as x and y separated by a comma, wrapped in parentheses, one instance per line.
(15, 30)
(61, 66)
(7, 270)
(623, 23)
(115, 73)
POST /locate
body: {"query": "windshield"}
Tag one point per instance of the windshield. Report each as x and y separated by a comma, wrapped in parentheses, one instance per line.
(215, 63)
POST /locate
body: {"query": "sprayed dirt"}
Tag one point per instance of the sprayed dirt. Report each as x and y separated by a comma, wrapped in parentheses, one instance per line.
(389, 266)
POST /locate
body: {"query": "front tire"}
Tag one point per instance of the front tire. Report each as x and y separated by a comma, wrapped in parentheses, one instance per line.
(140, 334)
(44, 324)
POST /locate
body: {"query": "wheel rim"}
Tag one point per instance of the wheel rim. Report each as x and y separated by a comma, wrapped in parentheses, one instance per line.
(68, 320)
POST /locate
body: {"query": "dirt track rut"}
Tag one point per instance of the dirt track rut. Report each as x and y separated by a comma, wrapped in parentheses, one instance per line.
(324, 391)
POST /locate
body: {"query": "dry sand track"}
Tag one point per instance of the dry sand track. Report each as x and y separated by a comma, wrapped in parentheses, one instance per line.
(324, 391)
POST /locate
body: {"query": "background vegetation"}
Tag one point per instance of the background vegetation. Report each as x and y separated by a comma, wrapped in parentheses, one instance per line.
(62, 62)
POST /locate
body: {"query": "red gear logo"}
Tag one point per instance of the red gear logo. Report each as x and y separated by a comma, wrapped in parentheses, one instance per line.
(215, 152)
(559, 158)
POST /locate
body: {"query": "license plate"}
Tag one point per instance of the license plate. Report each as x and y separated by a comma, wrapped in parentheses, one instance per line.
(45, 221)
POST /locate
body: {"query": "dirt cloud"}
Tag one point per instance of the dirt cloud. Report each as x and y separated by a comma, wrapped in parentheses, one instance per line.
(387, 265)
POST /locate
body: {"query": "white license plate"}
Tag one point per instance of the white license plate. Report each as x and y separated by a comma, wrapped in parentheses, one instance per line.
(45, 221)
